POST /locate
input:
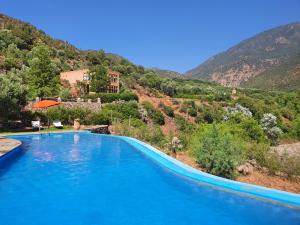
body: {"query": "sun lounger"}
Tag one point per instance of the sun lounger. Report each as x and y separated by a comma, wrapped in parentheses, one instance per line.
(58, 124)
(36, 124)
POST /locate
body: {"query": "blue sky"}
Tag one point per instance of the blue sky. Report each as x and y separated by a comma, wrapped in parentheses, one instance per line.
(175, 35)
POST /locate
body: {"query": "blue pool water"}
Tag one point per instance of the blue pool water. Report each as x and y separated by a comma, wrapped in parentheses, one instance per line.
(87, 179)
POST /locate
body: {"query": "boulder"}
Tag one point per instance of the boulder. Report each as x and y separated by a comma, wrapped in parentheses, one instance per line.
(245, 169)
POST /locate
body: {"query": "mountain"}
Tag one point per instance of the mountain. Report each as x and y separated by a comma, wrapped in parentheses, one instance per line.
(167, 73)
(257, 60)
(285, 76)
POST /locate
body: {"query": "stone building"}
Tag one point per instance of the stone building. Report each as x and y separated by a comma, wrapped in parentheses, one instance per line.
(81, 77)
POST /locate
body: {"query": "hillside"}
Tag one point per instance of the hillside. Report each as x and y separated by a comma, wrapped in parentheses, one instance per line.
(282, 77)
(267, 53)
(18, 38)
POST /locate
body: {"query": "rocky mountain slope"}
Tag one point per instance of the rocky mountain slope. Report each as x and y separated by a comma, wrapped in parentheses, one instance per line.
(270, 52)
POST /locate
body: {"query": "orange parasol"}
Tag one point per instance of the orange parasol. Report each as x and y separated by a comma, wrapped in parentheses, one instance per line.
(45, 104)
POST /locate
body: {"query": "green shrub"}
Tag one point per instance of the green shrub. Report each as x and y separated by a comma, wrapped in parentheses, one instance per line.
(258, 152)
(290, 165)
(67, 116)
(154, 114)
(252, 130)
(167, 109)
(296, 127)
(101, 118)
(158, 117)
(210, 114)
(124, 110)
(149, 133)
(110, 97)
(218, 151)
(192, 112)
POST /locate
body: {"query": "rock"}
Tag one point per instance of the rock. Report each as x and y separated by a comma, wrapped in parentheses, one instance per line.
(253, 162)
(76, 124)
(102, 129)
(245, 169)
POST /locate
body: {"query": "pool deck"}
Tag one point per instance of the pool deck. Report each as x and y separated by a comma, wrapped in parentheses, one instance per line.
(7, 145)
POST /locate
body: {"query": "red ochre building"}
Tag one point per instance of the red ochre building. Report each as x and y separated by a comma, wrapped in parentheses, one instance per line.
(72, 77)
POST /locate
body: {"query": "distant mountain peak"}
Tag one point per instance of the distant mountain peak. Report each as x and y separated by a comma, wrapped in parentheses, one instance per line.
(251, 57)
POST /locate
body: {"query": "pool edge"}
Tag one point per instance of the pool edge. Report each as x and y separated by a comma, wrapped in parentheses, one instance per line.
(289, 198)
(186, 170)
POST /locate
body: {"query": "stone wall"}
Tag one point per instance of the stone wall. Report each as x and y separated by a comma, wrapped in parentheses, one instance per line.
(93, 106)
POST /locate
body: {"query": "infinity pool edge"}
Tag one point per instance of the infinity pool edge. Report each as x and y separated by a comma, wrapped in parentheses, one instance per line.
(181, 168)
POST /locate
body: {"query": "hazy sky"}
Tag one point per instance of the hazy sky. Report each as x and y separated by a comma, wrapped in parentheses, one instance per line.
(176, 35)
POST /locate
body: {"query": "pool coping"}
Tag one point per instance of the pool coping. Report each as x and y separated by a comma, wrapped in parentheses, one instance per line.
(288, 198)
(9, 145)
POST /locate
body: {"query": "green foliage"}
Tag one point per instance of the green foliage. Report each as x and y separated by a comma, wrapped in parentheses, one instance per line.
(126, 110)
(13, 93)
(183, 125)
(67, 116)
(218, 151)
(43, 73)
(251, 130)
(269, 122)
(192, 112)
(210, 114)
(167, 109)
(110, 97)
(146, 132)
(13, 58)
(258, 151)
(155, 115)
(100, 79)
(296, 127)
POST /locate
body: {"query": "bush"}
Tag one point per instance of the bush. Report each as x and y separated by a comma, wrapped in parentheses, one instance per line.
(158, 117)
(167, 109)
(101, 118)
(149, 133)
(209, 114)
(192, 112)
(154, 114)
(218, 151)
(258, 152)
(290, 165)
(251, 129)
(269, 122)
(296, 127)
(110, 97)
(124, 110)
(67, 116)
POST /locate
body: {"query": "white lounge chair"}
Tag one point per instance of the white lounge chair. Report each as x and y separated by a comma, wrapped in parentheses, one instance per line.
(58, 124)
(36, 124)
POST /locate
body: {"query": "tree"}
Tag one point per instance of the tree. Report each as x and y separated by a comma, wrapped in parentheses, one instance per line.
(100, 79)
(13, 92)
(43, 73)
(13, 58)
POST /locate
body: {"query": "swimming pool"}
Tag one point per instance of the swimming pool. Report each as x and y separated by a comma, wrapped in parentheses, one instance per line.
(83, 178)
